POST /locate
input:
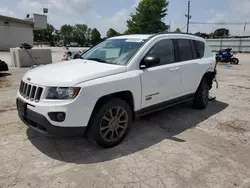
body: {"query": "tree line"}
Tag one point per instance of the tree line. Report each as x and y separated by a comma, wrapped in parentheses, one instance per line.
(80, 33)
(219, 33)
(148, 19)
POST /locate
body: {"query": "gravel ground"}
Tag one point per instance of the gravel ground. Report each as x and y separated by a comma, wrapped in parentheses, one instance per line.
(177, 147)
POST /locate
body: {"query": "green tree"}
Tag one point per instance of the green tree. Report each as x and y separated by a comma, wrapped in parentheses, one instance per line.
(57, 35)
(203, 35)
(66, 32)
(79, 32)
(88, 36)
(49, 33)
(222, 32)
(45, 35)
(148, 17)
(177, 30)
(111, 33)
(95, 37)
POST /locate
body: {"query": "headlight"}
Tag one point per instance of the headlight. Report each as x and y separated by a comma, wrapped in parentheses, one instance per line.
(59, 93)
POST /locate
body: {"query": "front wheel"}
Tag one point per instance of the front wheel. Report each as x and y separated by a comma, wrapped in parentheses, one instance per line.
(111, 123)
(235, 61)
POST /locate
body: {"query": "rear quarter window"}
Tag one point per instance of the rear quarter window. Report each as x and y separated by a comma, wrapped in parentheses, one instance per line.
(200, 48)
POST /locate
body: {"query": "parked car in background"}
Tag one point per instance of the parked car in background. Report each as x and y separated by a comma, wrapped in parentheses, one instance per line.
(124, 77)
(73, 44)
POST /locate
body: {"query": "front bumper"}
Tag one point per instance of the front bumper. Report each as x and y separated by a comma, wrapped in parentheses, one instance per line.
(39, 123)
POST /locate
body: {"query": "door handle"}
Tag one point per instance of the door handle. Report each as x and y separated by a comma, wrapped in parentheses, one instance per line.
(174, 69)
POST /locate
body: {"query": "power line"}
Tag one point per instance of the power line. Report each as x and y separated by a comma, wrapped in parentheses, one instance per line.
(221, 23)
(184, 27)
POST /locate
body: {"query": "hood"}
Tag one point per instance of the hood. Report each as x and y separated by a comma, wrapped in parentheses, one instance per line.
(70, 73)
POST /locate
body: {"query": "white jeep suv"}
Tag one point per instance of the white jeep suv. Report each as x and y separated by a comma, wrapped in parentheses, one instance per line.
(102, 92)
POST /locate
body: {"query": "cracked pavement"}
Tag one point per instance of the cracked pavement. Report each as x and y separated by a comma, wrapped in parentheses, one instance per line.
(178, 147)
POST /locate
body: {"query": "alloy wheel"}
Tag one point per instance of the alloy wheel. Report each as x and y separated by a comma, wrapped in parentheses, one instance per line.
(114, 124)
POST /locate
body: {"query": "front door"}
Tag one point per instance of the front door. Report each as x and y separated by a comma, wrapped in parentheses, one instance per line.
(161, 82)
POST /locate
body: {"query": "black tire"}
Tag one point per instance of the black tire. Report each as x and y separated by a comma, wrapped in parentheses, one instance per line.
(235, 61)
(217, 60)
(201, 95)
(95, 132)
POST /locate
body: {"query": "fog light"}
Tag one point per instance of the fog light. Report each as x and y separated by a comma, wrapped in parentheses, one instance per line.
(57, 116)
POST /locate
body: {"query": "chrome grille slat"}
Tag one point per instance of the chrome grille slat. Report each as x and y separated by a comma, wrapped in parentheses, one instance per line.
(21, 87)
(35, 94)
(38, 94)
(31, 87)
(30, 91)
(24, 90)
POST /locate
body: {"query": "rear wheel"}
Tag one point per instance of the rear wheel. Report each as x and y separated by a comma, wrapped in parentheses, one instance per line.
(202, 95)
(111, 123)
(235, 61)
(217, 59)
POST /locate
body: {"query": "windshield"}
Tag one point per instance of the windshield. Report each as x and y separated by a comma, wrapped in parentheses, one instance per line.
(114, 51)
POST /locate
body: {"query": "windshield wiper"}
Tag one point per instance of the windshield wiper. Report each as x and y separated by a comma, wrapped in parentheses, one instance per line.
(97, 59)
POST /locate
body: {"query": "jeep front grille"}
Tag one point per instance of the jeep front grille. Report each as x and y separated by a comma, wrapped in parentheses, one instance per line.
(30, 91)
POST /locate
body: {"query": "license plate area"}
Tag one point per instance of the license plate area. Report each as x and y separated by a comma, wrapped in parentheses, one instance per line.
(21, 107)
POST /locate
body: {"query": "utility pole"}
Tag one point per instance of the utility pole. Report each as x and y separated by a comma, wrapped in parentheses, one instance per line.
(169, 26)
(245, 26)
(188, 16)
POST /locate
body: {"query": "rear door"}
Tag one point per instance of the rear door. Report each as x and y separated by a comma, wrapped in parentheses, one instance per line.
(189, 63)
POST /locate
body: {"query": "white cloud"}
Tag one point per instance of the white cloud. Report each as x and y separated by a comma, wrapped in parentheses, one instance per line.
(64, 6)
(77, 11)
(33, 6)
(241, 9)
(238, 12)
(136, 3)
(72, 6)
(80, 11)
(6, 12)
(116, 21)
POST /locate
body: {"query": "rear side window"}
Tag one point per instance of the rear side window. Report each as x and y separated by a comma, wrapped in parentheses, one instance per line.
(185, 50)
(200, 48)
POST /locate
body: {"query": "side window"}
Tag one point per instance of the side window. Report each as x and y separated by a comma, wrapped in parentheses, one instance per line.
(185, 50)
(200, 48)
(195, 54)
(164, 49)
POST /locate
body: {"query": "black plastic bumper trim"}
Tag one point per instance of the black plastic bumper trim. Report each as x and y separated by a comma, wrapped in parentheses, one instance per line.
(40, 124)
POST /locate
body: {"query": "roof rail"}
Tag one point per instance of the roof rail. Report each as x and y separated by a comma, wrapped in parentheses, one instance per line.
(166, 32)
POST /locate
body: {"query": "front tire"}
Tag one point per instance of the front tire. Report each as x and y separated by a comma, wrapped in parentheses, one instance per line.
(111, 123)
(202, 95)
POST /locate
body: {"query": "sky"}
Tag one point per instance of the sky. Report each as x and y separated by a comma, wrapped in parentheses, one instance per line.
(105, 14)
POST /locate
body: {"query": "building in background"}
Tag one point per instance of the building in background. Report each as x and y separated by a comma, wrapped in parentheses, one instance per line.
(14, 31)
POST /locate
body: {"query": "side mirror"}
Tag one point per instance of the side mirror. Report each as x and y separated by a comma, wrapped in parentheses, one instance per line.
(150, 61)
